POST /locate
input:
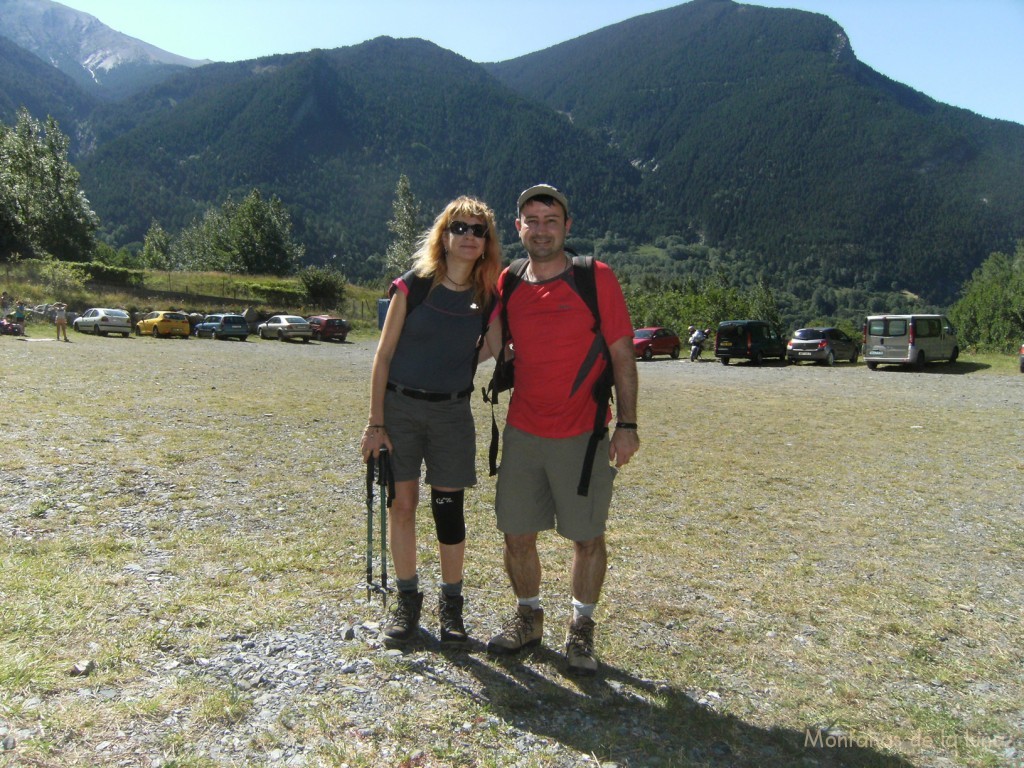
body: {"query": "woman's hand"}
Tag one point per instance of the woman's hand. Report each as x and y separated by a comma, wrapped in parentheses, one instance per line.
(375, 437)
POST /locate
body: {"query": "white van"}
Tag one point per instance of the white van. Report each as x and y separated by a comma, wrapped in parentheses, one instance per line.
(909, 340)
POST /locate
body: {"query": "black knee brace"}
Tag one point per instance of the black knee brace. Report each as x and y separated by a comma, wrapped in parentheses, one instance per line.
(449, 515)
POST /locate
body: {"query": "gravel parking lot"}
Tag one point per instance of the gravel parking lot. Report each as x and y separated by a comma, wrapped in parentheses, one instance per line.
(795, 550)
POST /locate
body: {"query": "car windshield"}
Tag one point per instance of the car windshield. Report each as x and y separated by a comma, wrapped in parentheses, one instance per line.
(808, 334)
(643, 333)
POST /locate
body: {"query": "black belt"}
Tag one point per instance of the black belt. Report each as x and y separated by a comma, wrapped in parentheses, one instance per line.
(434, 397)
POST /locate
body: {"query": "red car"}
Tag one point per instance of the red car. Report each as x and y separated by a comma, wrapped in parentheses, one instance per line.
(327, 328)
(648, 342)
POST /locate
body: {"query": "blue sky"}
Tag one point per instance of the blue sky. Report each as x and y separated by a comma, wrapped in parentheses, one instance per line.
(968, 53)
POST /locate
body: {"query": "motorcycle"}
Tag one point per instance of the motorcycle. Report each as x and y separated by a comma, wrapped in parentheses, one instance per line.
(696, 346)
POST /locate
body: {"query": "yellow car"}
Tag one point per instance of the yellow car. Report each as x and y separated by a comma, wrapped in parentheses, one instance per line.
(163, 323)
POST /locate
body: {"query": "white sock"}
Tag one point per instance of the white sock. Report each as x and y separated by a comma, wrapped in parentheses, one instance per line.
(533, 602)
(582, 609)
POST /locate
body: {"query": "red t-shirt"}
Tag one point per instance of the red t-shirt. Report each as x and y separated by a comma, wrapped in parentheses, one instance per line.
(552, 329)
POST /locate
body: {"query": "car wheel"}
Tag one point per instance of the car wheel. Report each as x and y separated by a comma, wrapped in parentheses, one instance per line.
(648, 354)
(853, 357)
(830, 358)
(124, 335)
(872, 365)
(156, 332)
(725, 360)
(955, 355)
(281, 336)
(920, 361)
(674, 354)
(138, 331)
(756, 358)
(96, 330)
(263, 333)
(316, 336)
(305, 339)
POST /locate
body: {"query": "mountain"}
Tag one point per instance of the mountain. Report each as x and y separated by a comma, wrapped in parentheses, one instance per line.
(728, 135)
(758, 129)
(102, 61)
(26, 81)
(330, 132)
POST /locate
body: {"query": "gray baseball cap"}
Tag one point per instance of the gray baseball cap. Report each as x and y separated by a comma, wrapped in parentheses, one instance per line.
(542, 189)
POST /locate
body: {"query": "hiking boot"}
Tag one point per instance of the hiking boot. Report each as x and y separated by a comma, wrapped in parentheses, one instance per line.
(449, 611)
(404, 620)
(524, 629)
(579, 647)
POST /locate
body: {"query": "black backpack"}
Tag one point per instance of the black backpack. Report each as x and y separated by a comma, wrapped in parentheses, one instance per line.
(504, 370)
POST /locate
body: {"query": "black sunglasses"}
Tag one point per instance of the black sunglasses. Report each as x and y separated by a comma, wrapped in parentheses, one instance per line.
(461, 228)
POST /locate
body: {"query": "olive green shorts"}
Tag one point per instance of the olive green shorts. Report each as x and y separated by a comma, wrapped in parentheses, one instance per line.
(537, 483)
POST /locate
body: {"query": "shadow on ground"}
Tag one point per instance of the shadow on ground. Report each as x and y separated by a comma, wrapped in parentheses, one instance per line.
(620, 718)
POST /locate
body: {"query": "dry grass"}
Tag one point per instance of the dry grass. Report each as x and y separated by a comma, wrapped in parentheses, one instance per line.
(794, 549)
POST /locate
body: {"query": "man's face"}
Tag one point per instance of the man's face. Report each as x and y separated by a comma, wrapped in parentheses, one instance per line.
(542, 230)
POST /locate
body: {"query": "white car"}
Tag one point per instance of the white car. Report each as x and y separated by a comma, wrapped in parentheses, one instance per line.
(101, 321)
(284, 327)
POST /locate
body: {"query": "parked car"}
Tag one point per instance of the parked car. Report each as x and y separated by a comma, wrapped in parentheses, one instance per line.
(223, 326)
(328, 328)
(1022, 358)
(101, 321)
(284, 327)
(909, 340)
(163, 322)
(821, 345)
(648, 342)
(753, 340)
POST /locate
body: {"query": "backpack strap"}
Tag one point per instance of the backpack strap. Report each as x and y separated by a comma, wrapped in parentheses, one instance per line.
(418, 287)
(513, 277)
(586, 285)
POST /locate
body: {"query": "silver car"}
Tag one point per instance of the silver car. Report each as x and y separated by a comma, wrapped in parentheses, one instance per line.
(821, 345)
(101, 321)
(285, 327)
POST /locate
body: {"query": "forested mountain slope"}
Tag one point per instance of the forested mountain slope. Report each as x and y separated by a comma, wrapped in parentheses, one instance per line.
(758, 129)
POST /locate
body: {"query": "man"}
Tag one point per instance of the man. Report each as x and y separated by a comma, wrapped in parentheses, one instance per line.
(550, 421)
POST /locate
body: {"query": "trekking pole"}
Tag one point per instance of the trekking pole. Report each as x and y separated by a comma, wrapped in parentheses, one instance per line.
(386, 479)
(369, 525)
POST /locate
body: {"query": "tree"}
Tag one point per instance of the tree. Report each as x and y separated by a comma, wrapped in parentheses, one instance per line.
(405, 224)
(156, 248)
(259, 237)
(251, 237)
(42, 209)
(325, 286)
(991, 312)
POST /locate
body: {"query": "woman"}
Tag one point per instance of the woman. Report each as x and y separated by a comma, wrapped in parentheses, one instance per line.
(60, 319)
(419, 401)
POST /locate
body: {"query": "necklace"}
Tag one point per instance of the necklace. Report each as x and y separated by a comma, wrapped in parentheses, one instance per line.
(458, 285)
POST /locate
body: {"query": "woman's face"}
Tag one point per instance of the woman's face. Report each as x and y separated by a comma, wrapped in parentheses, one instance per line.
(466, 246)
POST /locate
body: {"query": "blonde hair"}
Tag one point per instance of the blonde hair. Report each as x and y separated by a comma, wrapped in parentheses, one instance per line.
(429, 259)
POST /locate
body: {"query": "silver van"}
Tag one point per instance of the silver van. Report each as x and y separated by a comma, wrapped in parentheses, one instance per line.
(909, 340)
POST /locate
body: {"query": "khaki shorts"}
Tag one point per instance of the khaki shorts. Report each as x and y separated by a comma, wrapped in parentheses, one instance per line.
(441, 435)
(537, 484)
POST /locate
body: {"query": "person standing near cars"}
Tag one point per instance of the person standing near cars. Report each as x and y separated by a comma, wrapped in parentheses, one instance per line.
(19, 317)
(551, 419)
(60, 319)
(421, 380)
